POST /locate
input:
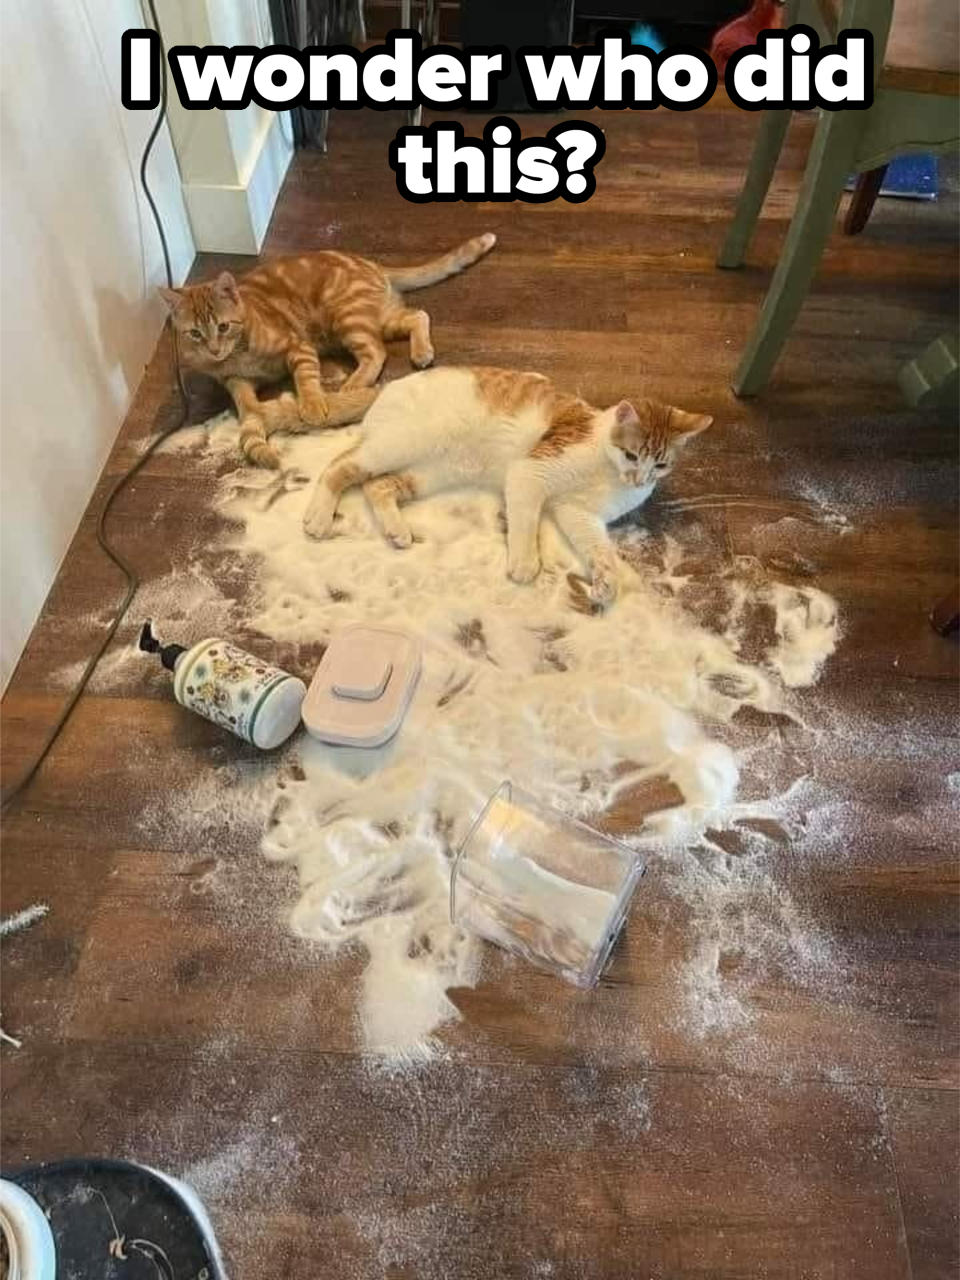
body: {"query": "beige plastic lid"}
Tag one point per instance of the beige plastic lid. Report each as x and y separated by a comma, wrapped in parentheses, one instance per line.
(361, 690)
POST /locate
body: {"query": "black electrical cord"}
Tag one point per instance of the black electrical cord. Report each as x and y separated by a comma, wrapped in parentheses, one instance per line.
(128, 571)
(148, 147)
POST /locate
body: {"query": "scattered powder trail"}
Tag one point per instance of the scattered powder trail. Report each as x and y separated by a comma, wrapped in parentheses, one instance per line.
(185, 601)
(518, 683)
(206, 444)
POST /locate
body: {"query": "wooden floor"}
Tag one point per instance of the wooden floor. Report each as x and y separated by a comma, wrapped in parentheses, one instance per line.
(565, 1134)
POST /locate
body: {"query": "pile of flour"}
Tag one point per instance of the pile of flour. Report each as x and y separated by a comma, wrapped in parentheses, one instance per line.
(519, 683)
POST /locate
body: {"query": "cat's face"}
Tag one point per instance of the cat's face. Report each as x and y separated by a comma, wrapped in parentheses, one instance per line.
(645, 440)
(208, 319)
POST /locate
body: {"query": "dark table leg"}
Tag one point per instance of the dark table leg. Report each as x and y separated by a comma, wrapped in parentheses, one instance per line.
(945, 615)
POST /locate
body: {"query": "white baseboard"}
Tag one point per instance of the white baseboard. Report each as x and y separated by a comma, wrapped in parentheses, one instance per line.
(234, 218)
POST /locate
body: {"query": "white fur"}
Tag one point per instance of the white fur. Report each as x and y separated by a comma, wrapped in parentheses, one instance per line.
(437, 422)
(435, 428)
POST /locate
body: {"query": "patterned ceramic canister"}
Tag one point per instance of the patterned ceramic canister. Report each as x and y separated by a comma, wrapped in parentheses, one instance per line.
(239, 692)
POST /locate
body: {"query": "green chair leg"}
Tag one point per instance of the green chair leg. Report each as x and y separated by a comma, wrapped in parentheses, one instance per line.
(834, 155)
(934, 376)
(763, 162)
(830, 163)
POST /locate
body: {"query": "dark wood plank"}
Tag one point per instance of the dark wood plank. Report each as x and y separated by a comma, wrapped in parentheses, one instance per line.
(463, 1170)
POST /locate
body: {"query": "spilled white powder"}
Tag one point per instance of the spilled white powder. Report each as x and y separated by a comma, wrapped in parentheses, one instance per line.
(23, 919)
(519, 684)
(207, 443)
(240, 1168)
(743, 925)
(184, 604)
(806, 633)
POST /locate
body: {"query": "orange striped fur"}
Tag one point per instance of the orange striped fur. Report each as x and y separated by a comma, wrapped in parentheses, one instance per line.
(571, 422)
(272, 322)
(507, 390)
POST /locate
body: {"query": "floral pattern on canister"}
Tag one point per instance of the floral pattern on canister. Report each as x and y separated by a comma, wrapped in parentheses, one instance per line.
(226, 685)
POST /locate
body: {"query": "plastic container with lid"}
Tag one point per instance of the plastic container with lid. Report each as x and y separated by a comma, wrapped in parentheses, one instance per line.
(362, 688)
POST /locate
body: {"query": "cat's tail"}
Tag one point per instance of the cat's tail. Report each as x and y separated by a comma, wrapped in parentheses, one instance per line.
(349, 405)
(437, 269)
(281, 414)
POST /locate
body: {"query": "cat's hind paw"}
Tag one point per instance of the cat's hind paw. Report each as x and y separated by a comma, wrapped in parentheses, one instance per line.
(261, 454)
(265, 455)
(318, 521)
(253, 443)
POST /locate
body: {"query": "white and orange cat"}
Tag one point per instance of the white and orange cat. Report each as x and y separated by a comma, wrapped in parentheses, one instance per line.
(517, 434)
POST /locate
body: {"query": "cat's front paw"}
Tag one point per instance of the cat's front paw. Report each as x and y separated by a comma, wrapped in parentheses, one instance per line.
(314, 408)
(524, 569)
(604, 586)
(423, 357)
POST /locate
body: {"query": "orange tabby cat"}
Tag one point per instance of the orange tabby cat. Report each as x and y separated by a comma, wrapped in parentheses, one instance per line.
(271, 321)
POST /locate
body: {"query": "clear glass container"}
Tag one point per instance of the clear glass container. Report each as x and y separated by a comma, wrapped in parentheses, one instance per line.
(542, 885)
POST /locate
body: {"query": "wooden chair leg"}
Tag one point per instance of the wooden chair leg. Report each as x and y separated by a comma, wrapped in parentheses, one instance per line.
(831, 160)
(763, 162)
(862, 201)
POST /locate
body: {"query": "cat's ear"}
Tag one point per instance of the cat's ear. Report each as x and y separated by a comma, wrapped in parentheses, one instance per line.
(688, 424)
(625, 415)
(171, 297)
(226, 286)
